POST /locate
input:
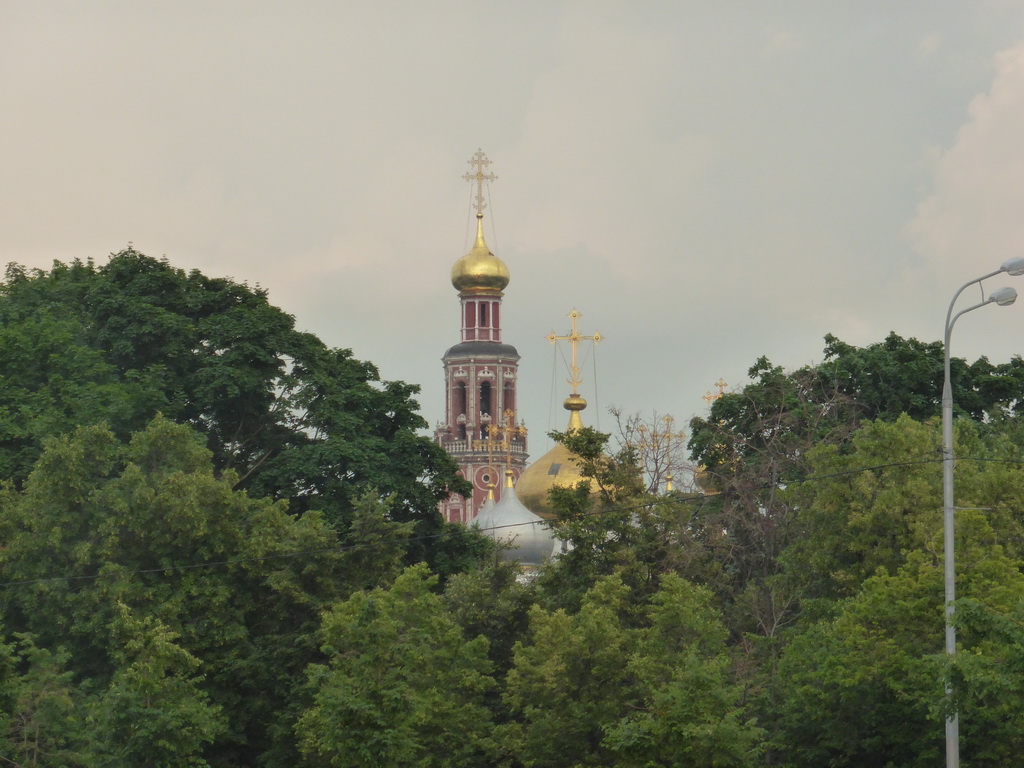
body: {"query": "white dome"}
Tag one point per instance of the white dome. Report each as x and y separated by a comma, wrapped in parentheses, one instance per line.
(509, 522)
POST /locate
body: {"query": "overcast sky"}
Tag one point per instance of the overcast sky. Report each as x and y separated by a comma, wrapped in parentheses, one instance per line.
(706, 181)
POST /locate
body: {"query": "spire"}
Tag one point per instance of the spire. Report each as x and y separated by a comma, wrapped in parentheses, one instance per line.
(574, 338)
(575, 402)
(479, 162)
(480, 270)
(480, 246)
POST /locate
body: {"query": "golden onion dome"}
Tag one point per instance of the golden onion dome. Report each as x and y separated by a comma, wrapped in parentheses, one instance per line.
(479, 270)
(705, 482)
(558, 467)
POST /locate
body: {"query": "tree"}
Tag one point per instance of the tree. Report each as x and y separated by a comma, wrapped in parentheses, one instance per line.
(871, 501)
(755, 447)
(111, 544)
(905, 376)
(659, 448)
(401, 687)
(116, 344)
(628, 683)
(41, 710)
(865, 686)
(154, 713)
(774, 420)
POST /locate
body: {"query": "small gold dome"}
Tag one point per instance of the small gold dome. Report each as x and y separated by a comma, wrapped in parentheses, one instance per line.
(479, 270)
(558, 467)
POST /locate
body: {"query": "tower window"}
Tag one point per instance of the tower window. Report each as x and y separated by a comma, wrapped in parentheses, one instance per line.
(459, 405)
(485, 397)
(509, 398)
(483, 314)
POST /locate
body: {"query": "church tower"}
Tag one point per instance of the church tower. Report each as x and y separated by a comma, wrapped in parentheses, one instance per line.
(481, 430)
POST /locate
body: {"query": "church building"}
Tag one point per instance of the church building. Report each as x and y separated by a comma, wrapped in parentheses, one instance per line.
(480, 430)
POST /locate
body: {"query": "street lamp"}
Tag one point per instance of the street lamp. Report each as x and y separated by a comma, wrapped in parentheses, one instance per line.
(1003, 297)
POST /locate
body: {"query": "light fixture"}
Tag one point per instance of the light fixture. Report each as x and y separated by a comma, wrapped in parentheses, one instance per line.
(1004, 296)
(1013, 266)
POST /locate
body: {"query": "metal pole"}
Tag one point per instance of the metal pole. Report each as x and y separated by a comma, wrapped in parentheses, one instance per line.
(948, 511)
(948, 519)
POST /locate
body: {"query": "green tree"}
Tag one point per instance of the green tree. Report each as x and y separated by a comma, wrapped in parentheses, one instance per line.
(865, 686)
(237, 582)
(756, 444)
(628, 683)
(492, 602)
(870, 502)
(859, 679)
(154, 714)
(901, 375)
(752, 447)
(41, 709)
(402, 686)
(83, 344)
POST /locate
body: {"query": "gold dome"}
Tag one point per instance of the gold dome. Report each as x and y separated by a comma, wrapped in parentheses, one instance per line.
(558, 467)
(479, 270)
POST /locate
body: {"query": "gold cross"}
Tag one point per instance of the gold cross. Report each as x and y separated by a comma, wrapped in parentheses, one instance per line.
(574, 338)
(710, 397)
(656, 438)
(479, 163)
(501, 436)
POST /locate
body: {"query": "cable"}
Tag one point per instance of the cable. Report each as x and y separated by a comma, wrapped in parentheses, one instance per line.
(647, 503)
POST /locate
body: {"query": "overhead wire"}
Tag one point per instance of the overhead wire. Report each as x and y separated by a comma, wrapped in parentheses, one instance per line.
(342, 548)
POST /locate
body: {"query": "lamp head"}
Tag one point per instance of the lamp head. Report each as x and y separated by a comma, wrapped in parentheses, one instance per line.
(1013, 266)
(1004, 296)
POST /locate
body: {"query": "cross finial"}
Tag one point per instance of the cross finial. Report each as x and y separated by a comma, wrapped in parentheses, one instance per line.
(655, 439)
(479, 163)
(574, 338)
(710, 397)
(502, 436)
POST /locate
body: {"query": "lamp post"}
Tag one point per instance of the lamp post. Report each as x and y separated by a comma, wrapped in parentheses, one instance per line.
(1002, 297)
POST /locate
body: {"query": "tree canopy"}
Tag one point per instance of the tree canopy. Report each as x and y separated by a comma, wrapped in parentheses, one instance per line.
(116, 344)
(213, 528)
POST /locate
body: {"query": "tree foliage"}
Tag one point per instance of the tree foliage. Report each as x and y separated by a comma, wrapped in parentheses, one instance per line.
(142, 568)
(622, 684)
(401, 687)
(230, 583)
(83, 344)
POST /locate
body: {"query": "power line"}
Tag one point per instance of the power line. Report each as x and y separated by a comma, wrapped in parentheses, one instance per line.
(342, 548)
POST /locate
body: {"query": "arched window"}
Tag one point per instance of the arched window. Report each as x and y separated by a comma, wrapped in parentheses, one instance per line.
(485, 398)
(459, 404)
(509, 398)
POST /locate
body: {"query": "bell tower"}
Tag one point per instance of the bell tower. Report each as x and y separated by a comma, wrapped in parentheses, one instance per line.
(480, 430)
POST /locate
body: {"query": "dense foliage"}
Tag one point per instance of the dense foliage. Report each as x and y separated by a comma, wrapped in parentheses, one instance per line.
(116, 344)
(212, 530)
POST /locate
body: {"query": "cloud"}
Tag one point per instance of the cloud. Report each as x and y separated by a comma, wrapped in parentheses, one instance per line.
(975, 212)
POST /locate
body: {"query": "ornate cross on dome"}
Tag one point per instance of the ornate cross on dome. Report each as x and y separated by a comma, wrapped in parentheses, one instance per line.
(574, 338)
(502, 436)
(710, 397)
(654, 438)
(479, 163)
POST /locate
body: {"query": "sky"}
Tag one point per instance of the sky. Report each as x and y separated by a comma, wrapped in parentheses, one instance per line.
(706, 181)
